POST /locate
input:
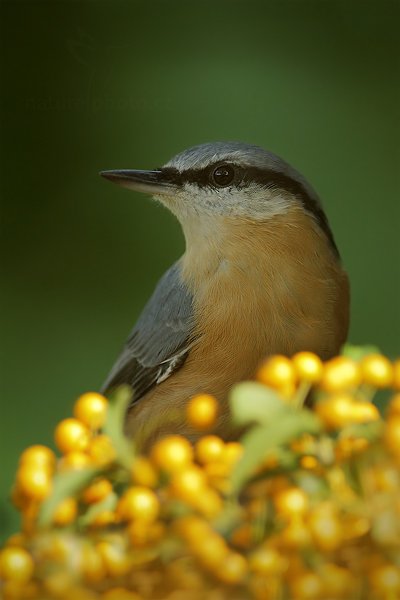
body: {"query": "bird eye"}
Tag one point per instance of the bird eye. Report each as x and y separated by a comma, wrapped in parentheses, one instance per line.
(223, 175)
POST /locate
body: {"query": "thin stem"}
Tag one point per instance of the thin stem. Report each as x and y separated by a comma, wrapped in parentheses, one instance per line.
(301, 394)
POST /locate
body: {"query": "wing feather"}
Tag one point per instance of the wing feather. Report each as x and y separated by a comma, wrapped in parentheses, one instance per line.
(160, 341)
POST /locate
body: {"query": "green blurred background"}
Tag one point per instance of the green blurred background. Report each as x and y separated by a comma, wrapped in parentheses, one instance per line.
(100, 85)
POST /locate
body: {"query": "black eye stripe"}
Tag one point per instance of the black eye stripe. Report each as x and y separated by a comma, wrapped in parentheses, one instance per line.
(265, 177)
(202, 177)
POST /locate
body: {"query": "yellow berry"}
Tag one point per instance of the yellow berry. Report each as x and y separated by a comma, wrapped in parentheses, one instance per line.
(394, 406)
(295, 535)
(216, 470)
(208, 503)
(40, 456)
(308, 366)
(17, 590)
(278, 484)
(325, 527)
(242, 536)
(291, 502)
(202, 411)
(60, 548)
(277, 372)
(309, 462)
(185, 577)
(209, 448)
(19, 498)
(348, 446)
(16, 564)
(232, 569)
(138, 503)
(74, 460)
(144, 473)
(66, 512)
(233, 452)
(305, 444)
(271, 461)
(97, 491)
(78, 592)
(338, 582)
(29, 517)
(16, 539)
(386, 579)
(385, 530)
(172, 453)
(211, 549)
(92, 565)
(377, 370)
(192, 528)
(188, 483)
(91, 409)
(267, 561)
(340, 373)
(392, 434)
(364, 412)
(355, 527)
(101, 450)
(115, 559)
(104, 518)
(386, 478)
(71, 435)
(396, 374)
(306, 586)
(57, 583)
(336, 411)
(265, 588)
(34, 482)
(142, 533)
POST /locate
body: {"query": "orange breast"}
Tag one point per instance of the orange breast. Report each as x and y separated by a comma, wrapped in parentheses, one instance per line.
(267, 288)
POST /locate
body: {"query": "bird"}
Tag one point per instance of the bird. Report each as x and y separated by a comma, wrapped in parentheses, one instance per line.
(261, 275)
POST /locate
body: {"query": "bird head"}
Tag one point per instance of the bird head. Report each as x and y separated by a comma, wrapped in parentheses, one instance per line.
(226, 179)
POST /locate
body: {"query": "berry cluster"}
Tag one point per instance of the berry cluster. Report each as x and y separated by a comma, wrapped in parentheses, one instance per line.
(305, 506)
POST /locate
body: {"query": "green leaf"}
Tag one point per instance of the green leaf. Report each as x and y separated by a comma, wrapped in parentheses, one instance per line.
(229, 518)
(108, 503)
(251, 401)
(315, 486)
(65, 485)
(290, 425)
(358, 352)
(119, 401)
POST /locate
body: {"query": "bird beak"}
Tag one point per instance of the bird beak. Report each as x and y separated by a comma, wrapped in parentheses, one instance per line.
(149, 182)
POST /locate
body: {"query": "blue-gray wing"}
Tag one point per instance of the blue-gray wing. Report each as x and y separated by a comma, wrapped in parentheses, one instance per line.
(160, 341)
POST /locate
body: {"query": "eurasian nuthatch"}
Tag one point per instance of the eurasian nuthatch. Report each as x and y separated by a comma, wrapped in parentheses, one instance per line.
(261, 275)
